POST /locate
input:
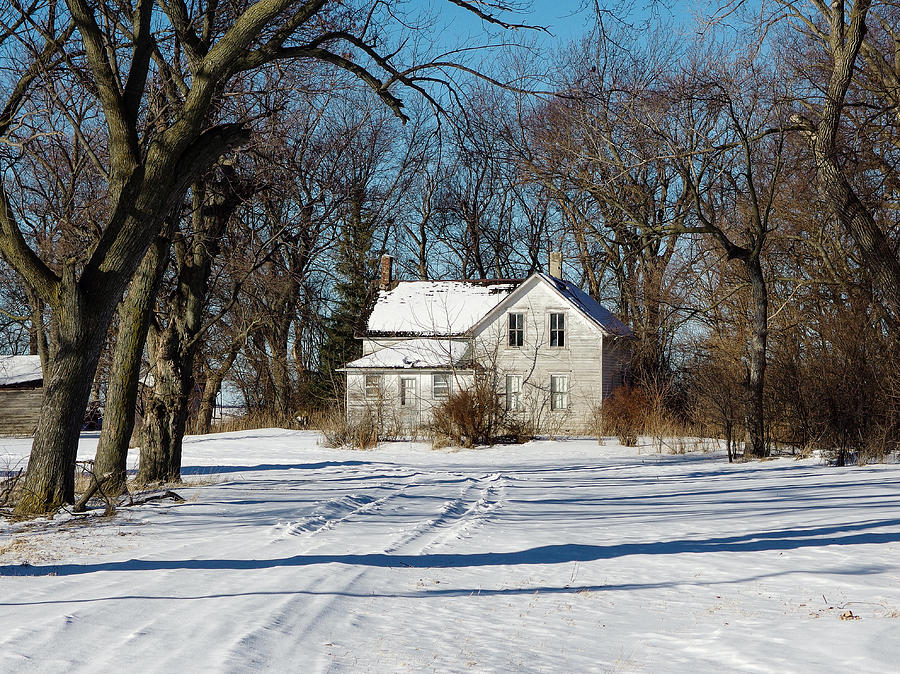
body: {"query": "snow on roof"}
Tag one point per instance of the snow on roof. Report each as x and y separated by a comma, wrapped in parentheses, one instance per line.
(434, 308)
(591, 307)
(20, 370)
(415, 353)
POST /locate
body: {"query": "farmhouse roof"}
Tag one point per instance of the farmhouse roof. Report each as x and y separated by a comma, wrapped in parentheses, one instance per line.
(454, 308)
(415, 354)
(588, 306)
(435, 308)
(15, 370)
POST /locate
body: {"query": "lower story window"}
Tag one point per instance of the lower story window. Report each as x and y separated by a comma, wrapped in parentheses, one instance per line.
(513, 392)
(373, 385)
(440, 385)
(407, 392)
(559, 392)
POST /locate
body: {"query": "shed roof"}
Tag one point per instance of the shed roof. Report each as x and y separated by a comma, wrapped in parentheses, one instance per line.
(415, 354)
(435, 308)
(15, 370)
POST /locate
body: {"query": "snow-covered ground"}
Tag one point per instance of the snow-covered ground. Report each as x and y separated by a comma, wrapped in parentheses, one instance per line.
(548, 557)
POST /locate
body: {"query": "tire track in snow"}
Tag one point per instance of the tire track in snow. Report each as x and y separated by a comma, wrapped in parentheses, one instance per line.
(294, 619)
(300, 618)
(457, 517)
(311, 615)
(334, 511)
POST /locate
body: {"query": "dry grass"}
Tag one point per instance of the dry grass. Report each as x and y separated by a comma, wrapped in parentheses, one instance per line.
(359, 433)
(252, 421)
(15, 545)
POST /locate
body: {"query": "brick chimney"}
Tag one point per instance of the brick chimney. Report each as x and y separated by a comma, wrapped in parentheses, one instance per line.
(556, 264)
(387, 263)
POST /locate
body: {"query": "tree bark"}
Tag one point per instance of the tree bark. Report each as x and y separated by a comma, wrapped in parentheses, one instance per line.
(80, 331)
(757, 370)
(845, 41)
(173, 349)
(214, 378)
(134, 320)
(165, 415)
(83, 309)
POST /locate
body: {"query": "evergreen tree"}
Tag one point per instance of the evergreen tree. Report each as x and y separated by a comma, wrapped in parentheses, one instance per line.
(354, 294)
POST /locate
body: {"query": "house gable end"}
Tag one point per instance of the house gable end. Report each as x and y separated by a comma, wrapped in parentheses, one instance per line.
(526, 287)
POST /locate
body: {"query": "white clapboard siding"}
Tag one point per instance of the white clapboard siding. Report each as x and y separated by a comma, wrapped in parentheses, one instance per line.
(616, 356)
(581, 359)
(385, 406)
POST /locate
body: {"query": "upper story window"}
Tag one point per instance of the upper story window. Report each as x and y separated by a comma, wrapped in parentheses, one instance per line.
(516, 330)
(558, 329)
(373, 386)
(440, 385)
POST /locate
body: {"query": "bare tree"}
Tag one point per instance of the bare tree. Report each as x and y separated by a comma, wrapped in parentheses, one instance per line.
(123, 56)
(734, 176)
(851, 52)
(175, 333)
(620, 194)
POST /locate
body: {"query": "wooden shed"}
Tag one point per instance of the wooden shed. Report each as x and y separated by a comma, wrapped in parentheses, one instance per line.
(21, 391)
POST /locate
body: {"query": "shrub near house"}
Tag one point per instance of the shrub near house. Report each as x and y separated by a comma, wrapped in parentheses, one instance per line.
(550, 351)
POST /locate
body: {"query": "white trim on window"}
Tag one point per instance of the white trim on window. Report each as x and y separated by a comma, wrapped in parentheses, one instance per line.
(514, 393)
(557, 329)
(515, 329)
(440, 385)
(372, 384)
(559, 392)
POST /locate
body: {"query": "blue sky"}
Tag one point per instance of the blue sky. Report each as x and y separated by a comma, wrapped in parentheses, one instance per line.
(568, 20)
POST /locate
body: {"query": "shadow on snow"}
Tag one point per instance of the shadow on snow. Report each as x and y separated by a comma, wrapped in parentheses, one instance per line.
(789, 539)
(434, 593)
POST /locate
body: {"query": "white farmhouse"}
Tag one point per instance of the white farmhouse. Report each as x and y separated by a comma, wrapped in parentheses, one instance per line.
(552, 351)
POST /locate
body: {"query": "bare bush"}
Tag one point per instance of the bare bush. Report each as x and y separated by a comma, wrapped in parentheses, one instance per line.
(359, 432)
(623, 414)
(840, 395)
(716, 394)
(468, 417)
(476, 416)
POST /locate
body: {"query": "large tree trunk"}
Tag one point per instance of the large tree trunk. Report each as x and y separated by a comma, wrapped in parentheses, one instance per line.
(757, 370)
(79, 335)
(879, 255)
(877, 251)
(166, 410)
(173, 349)
(121, 401)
